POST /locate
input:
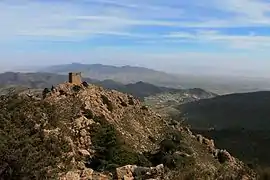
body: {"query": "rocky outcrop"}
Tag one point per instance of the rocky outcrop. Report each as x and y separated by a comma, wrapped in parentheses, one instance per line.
(122, 110)
(224, 156)
(128, 172)
(101, 131)
(131, 172)
(86, 174)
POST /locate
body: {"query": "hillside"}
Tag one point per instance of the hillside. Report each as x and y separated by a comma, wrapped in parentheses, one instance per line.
(244, 110)
(237, 122)
(87, 132)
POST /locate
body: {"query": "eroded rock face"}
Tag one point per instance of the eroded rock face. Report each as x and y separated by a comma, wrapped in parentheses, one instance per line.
(131, 172)
(86, 174)
(71, 175)
(224, 156)
(135, 125)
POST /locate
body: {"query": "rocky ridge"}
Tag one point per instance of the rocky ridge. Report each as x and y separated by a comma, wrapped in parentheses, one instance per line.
(111, 135)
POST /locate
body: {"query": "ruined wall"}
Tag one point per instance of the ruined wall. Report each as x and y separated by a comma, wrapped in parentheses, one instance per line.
(75, 78)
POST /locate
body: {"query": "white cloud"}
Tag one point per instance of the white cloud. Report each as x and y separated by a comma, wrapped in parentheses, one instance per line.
(250, 41)
(244, 12)
(254, 10)
(79, 20)
(52, 20)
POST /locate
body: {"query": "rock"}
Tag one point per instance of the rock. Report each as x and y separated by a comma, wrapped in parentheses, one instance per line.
(100, 176)
(84, 153)
(128, 178)
(200, 138)
(87, 174)
(188, 131)
(79, 122)
(71, 175)
(82, 141)
(224, 156)
(125, 171)
(210, 144)
(157, 172)
(178, 153)
(131, 172)
(83, 133)
(81, 165)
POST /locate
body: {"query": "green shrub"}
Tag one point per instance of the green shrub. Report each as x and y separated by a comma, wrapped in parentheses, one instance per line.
(124, 104)
(24, 149)
(111, 151)
(106, 101)
(85, 84)
(145, 108)
(167, 146)
(45, 92)
(76, 88)
(130, 101)
(88, 114)
(62, 92)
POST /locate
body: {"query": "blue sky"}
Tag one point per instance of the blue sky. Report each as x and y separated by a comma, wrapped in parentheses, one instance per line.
(206, 36)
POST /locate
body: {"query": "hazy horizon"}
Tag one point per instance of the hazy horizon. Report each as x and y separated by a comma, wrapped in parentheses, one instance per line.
(229, 38)
(219, 75)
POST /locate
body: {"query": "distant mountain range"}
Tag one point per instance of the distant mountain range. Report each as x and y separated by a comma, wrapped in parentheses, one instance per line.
(124, 74)
(43, 80)
(130, 74)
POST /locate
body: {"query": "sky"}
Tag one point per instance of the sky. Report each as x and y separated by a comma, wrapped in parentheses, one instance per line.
(178, 36)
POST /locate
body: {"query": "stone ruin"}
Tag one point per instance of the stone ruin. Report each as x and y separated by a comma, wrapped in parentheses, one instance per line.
(75, 78)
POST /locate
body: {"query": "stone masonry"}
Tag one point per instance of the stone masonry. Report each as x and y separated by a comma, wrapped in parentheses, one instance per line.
(75, 78)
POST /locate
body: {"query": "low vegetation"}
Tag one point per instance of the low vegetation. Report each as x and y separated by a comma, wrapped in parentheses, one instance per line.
(106, 101)
(111, 151)
(26, 150)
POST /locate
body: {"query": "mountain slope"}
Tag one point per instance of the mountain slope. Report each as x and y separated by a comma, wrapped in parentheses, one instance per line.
(243, 110)
(79, 132)
(237, 122)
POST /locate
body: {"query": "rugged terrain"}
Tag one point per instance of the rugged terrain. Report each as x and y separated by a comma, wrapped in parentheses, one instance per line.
(87, 132)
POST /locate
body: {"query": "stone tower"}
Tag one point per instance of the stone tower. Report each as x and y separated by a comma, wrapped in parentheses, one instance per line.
(75, 78)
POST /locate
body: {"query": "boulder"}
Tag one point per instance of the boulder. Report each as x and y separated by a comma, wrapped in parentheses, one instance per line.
(131, 172)
(125, 171)
(84, 153)
(72, 175)
(87, 174)
(224, 156)
(200, 138)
